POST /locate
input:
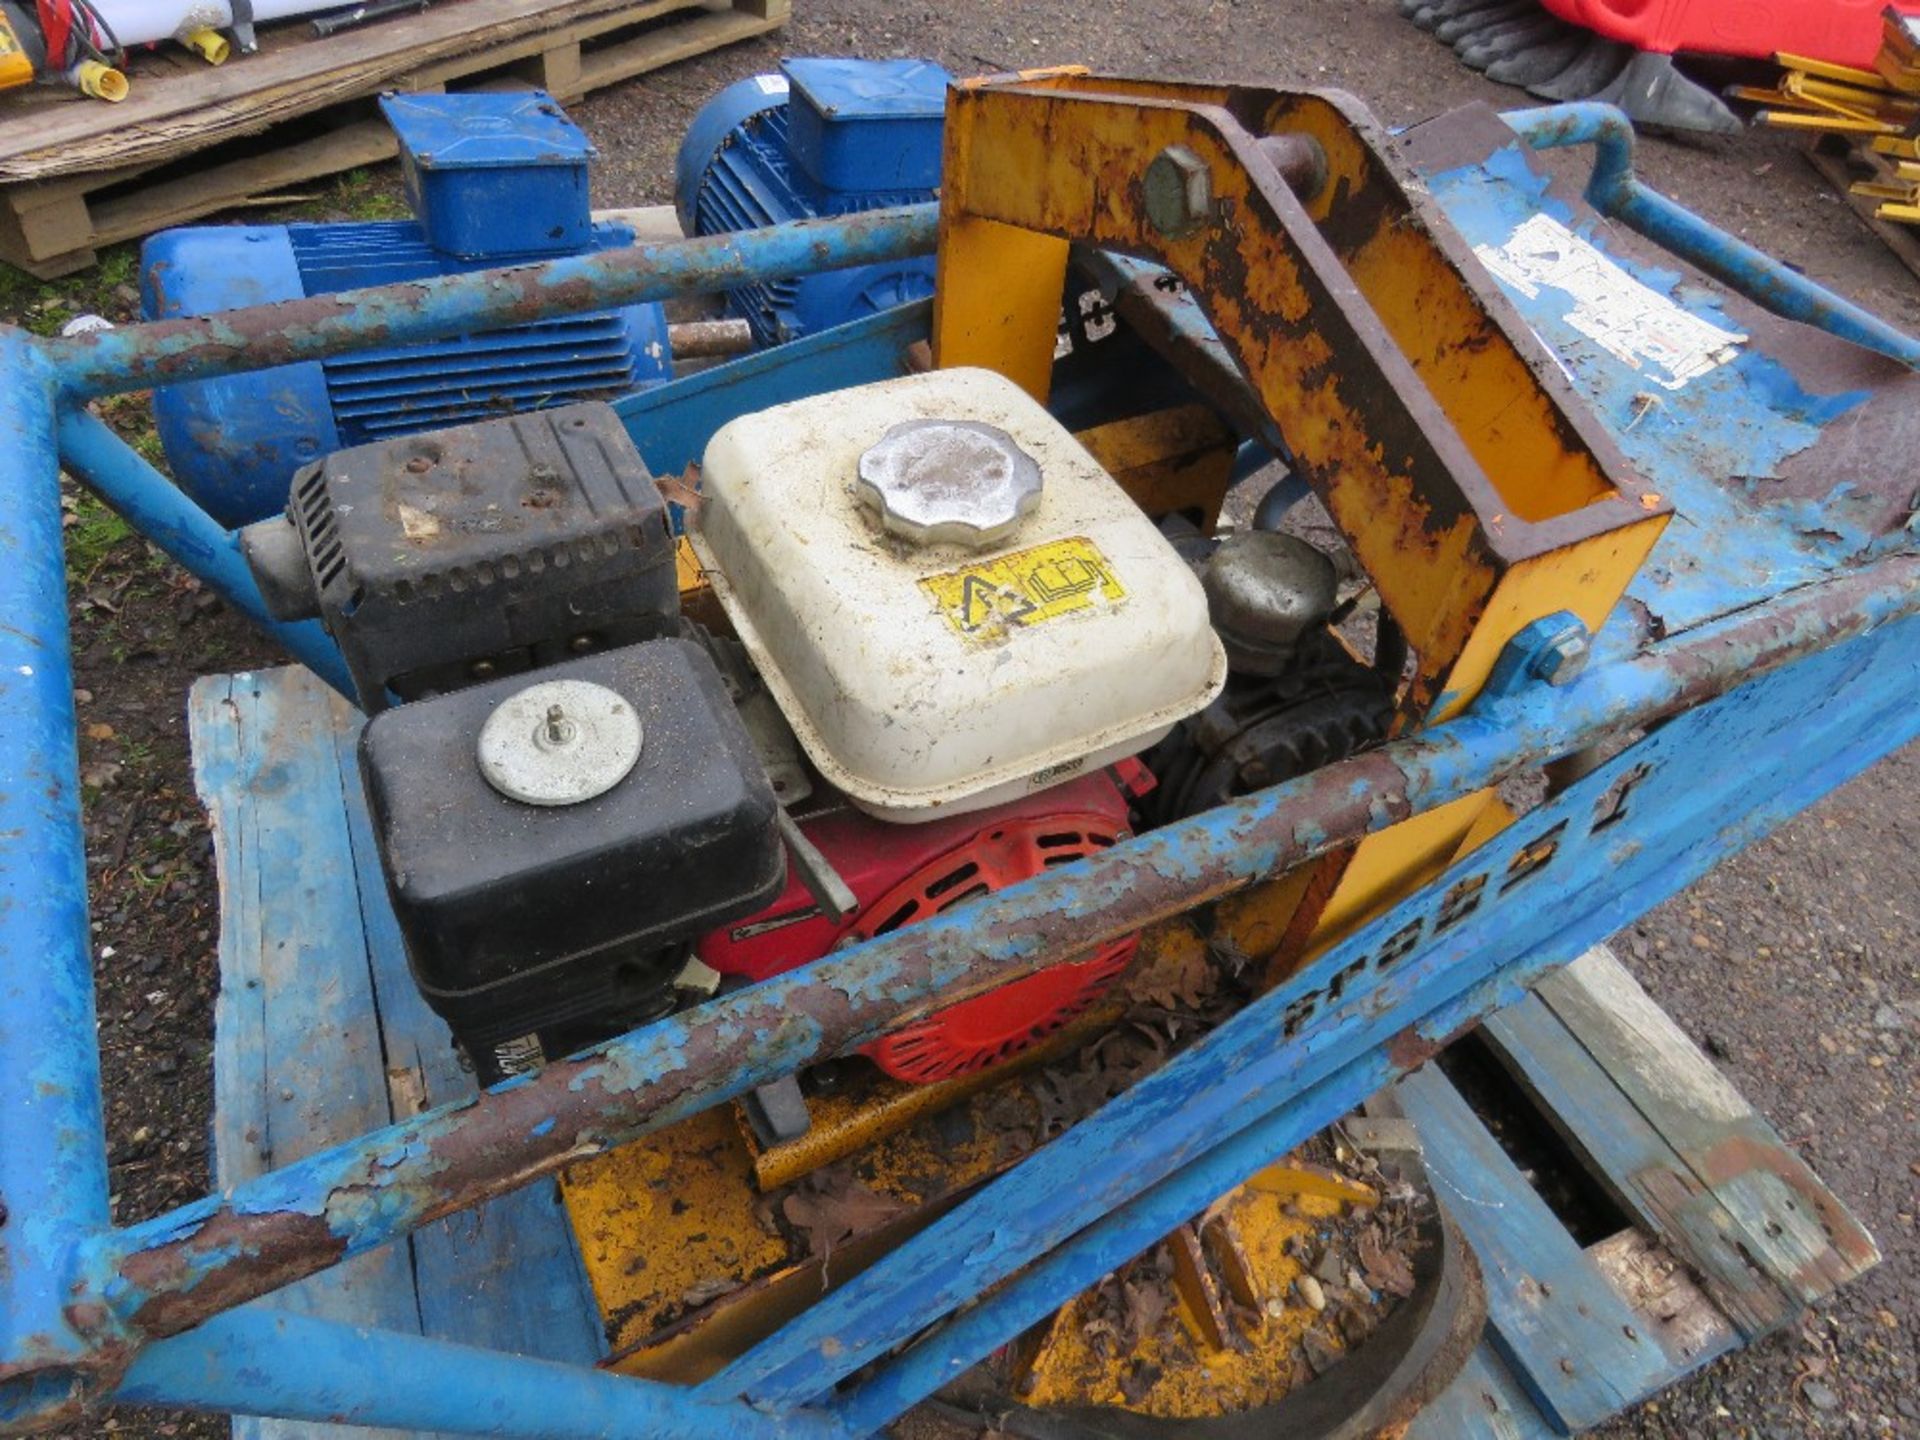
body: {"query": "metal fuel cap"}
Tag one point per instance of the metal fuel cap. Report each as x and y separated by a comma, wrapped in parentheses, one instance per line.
(559, 742)
(954, 481)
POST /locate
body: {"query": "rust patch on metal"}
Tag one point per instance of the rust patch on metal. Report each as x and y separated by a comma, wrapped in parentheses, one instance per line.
(318, 327)
(269, 1250)
(1408, 1049)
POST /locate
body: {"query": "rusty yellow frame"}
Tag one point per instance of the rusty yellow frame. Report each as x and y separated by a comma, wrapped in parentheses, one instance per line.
(1467, 479)
(1472, 487)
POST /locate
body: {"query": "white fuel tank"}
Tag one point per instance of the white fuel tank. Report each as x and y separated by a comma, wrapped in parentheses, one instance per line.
(950, 599)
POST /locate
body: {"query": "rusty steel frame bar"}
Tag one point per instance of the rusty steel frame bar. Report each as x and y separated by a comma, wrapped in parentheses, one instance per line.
(79, 1299)
(166, 1275)
(167, 352)
(1613, 189)
(58, 1340)
(237, 1362)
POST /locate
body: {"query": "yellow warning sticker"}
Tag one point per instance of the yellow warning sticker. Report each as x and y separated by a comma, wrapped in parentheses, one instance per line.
(1027, 588)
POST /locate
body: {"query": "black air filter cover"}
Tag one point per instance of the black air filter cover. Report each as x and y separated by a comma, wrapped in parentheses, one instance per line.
(527, 919)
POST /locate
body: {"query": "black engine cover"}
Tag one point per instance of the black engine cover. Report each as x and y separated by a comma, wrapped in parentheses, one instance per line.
(533, 929)
(456, 555)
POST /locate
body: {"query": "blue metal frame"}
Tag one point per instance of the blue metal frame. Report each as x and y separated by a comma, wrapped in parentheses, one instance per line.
(1614, 190)
(159, 1312)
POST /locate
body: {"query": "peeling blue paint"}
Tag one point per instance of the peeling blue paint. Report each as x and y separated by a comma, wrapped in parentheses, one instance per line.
(1741, 421)
(1817, 632)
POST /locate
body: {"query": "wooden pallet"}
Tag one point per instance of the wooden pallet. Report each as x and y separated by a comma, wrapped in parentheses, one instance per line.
(1842, 162)
(76, 174)
(1724, 1235)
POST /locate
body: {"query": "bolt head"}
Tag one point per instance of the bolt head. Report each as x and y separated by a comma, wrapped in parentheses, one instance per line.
(949, 481)
(1178, 190)
(1562, 657)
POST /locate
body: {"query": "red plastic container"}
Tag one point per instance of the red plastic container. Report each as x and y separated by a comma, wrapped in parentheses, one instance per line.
(1845, 32)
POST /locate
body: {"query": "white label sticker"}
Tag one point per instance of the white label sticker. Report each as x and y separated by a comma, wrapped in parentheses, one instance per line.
(1632, 321)
(771, 84)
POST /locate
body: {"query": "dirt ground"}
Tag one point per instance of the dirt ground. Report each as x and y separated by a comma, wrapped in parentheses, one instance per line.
(1795, 964)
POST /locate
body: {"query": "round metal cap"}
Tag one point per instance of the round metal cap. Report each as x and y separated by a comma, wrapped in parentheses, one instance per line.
(952, 481)
(559, 742)
(1264, 591)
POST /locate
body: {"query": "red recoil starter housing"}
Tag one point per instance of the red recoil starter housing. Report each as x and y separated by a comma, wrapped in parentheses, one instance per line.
(904, 873)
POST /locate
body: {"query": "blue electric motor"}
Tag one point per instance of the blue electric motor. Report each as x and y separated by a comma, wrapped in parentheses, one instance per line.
(492, 179)
(825, 137)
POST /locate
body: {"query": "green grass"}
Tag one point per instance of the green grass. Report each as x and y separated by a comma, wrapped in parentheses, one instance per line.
(43, 306)
(96, 532)
(358, 195)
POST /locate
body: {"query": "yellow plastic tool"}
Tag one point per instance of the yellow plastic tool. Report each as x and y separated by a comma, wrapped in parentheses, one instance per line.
(102, 82)
(16, 67)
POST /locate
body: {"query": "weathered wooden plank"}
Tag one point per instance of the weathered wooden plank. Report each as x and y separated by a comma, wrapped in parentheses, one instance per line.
(174, 115)
(625, 59)
(46, 234)
(223, 770)
(1841, 162)
(1790, 1223)
(1483, 1403)
(1632, 1162)
(1569, 1338)
(297, 1061)
(53, 226)
(507, 1275)
(246, 181)
(1673, 1309)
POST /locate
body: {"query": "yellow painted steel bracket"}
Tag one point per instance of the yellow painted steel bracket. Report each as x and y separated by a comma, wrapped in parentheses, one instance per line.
(1470, 483)
(1449, 449)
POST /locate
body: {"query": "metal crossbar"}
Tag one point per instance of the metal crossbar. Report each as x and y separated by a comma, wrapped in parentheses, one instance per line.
(157, 1312)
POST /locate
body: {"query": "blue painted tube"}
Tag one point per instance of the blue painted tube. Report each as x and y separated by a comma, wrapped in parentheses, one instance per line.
(1133, 1228)
(166, 352)
(53, 1157)
(163, 513)
(351, 1197)
(1102, 1247)
(1615, 190)
(262, 1361)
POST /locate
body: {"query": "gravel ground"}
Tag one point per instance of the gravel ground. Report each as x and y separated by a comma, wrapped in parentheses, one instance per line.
(1794, 964)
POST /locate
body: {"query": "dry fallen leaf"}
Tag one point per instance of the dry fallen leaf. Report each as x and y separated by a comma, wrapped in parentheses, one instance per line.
(836, 1212)
(1147, 1302)
(684, 490)
(1386, 1268)
(100, 774)
(712, 1288)
(1183, 983)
